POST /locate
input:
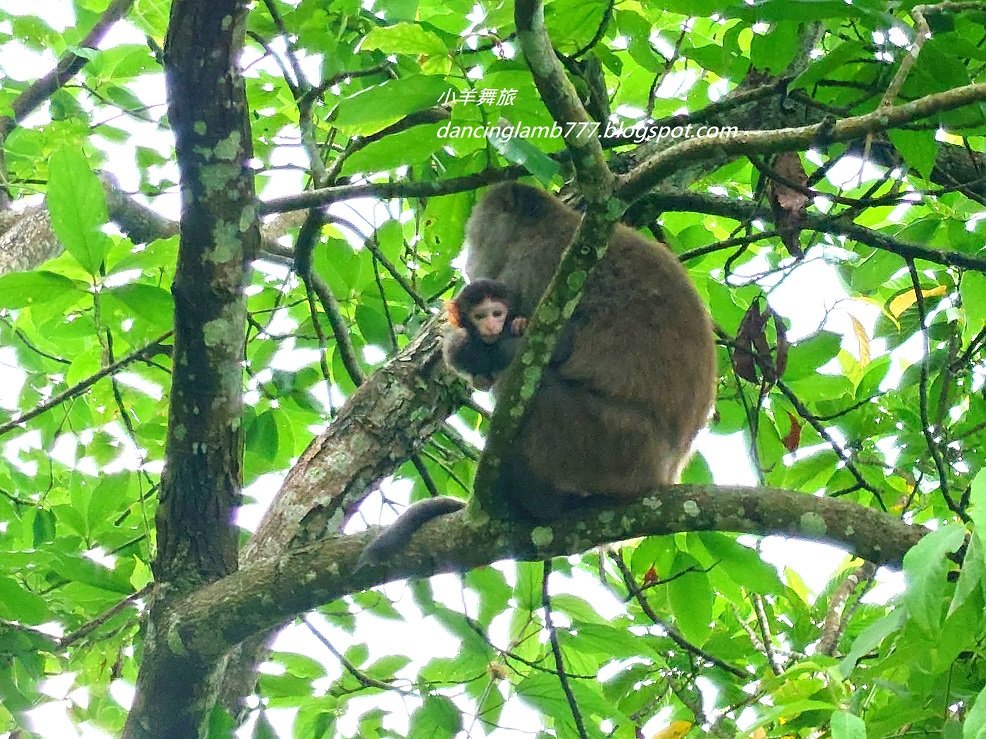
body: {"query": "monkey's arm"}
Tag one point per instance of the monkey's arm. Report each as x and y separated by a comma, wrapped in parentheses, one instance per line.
(394, 539)
(461, 352)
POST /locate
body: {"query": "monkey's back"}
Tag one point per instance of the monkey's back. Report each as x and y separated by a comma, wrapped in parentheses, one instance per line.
(632, 385)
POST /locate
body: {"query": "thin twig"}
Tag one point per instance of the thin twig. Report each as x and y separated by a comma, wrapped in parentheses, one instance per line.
(80, 388)
(926, 429)
(556, 651)
(638, 594)
(84, 631)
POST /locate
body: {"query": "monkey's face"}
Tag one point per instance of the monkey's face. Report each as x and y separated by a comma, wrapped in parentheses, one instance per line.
(488, 317)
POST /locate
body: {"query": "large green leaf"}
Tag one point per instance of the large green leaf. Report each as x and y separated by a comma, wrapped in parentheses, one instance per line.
(23, 289)
(926, 565)
(375, 108)
(78, 208)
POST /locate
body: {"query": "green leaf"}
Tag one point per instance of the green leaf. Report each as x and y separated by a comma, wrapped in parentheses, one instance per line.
(788, 711)
(919, 149)
(438, 717)
(972, 575)
(926, 565)
(572, 23)
(527, 589)
(691, 599)
(23, 289)
(608, 641)
(875, 373)
(151, 303)
(19, 604)
(79, 569)
(105, 501)
(261, 436)
(404, 38)
(544, 691)
(407, 147)
(809, 354)
(977, 502)
(524, 153)
(774, 50)
(975, 721)
(873, 272)
(377, 107)
(973, 291)
(264, 729)
(846, 725)
(78, 208)
(871, 637)
(742, 564)
(315, 722)
(491, 587)
(43, 527)
(821, 69)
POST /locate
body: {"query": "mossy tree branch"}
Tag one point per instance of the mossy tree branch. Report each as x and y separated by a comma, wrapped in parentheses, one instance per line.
(588, 245)
(269, 590)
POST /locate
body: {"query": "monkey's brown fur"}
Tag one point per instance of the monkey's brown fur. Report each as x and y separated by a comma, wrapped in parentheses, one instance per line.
(632, 380)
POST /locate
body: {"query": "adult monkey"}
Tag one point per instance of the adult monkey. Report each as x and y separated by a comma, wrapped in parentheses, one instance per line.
(631, 380)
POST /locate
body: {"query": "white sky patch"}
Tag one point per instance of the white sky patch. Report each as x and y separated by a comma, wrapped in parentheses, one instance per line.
(676, 84)
(13, 378)
(59, 14)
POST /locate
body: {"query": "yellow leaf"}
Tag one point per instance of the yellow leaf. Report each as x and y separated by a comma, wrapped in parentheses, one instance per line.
(675, 730)
(906, 299)
(862, 339)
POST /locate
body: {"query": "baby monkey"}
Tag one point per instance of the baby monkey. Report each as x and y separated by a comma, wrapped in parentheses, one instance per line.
(485, 331)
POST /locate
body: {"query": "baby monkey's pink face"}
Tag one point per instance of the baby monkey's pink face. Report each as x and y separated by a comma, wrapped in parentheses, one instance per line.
(489, 316)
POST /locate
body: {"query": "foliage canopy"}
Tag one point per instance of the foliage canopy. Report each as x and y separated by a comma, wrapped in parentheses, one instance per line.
(845, 271)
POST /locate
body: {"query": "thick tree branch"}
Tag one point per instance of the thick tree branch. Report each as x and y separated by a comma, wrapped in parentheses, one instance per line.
(27, 239)
(201, 484)
(652, 171)
(589, 244)
(268, 590)
(561, 99)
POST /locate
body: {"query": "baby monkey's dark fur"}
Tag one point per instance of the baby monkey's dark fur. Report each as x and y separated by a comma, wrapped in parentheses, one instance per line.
(631, 381)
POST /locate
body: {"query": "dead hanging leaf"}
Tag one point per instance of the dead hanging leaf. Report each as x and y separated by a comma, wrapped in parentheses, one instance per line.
(789, 205)
(497, 671)
(863, 339)
(753, 350)
(780, 358)
(793, 438)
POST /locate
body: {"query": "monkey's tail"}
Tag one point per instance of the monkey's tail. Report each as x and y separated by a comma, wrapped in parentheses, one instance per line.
(395, 538)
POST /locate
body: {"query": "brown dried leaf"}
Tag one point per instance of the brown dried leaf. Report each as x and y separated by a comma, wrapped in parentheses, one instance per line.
(788, 204)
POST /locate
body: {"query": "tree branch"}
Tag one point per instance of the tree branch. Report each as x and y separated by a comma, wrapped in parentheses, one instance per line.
(69, 64)
(652, 171)
(266, 591)
(745, 211)
(589, 243)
